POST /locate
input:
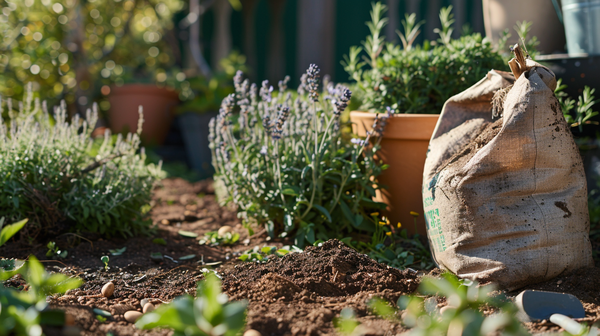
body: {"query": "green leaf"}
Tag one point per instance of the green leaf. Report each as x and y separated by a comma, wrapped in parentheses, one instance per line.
(268, 249)
(347, 213)
(10, 230)
(177, 315)
(117, 252)
(291, 190)
(244, 257)
(283, 251)
(159, 241)
(52, 317)
(156, 256)
(188, 234)
(188, 257)
(323, 211)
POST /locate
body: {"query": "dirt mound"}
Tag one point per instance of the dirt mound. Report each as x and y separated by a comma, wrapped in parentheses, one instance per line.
(315, 285)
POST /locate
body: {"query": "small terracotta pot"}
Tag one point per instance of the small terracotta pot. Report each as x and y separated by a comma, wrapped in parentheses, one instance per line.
(404, 148)
(158, 104)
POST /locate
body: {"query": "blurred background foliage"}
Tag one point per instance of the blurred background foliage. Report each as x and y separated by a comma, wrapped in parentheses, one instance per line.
(72, 49)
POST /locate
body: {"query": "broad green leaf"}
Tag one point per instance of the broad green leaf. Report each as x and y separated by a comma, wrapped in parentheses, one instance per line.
(291, 190)
(323, 211)
(10, 230)
(347, 213)
(283, 251)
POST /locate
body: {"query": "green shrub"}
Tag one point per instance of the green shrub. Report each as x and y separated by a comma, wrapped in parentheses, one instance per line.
(52, 173)
(209, 314)
(284, 161)
(418, 79)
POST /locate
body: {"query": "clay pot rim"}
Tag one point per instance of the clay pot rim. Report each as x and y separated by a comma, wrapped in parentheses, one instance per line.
(364, 114)
(143, 89)
(400, 126)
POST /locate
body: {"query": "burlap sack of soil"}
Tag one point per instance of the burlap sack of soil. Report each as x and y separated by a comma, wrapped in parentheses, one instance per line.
(506, 200)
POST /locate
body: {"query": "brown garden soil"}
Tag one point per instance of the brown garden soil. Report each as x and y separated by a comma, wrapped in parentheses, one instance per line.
(298, 294)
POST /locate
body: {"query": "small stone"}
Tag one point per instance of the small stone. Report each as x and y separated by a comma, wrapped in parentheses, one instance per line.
(132, 316)
(148, 307)
(559, 282)
(252, 332)
(165, 222)
(108, 289)
(143, 302)
(223, 230)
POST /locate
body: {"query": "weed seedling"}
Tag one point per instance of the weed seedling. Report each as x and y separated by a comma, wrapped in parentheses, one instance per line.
(213, 238)
(346, 323)
(105, 260)
(54, 252)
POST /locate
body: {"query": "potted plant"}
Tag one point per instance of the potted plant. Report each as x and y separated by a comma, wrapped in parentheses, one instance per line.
(202, 105)
(414, 82)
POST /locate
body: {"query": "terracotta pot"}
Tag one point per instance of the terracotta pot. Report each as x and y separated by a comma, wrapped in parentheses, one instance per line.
(158, 104)
(403, 148)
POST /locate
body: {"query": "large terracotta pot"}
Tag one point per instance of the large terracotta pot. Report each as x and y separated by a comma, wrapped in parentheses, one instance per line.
(403, 148)
(158, 104)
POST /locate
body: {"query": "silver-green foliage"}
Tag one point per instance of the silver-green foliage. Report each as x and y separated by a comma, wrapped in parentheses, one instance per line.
(209, 314)
(284, 161)
(51, 172)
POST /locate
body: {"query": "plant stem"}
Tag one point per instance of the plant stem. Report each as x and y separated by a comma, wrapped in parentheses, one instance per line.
(278, 173)
(314, 163)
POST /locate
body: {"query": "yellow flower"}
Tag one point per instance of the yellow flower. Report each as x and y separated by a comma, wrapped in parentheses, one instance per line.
(399, 225)
(388, 233)
(412, 213)
(375, 214)
(381, 223)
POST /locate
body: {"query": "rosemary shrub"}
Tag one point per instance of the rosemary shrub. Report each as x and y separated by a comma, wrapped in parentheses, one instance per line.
(52, 172)
(418, 78)
(283, 160)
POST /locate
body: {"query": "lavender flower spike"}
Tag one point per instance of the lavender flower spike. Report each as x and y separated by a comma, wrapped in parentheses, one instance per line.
(313, 82)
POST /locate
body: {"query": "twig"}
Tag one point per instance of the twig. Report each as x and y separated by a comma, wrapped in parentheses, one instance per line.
(97, 164)
(76, 235)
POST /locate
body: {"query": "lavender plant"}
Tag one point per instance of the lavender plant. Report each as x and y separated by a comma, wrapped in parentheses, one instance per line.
(52, 173)
(283, 159)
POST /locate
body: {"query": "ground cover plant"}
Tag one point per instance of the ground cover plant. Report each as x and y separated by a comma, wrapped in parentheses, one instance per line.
(284, 161)
(23, 312)
(52, 173)
(417, 78)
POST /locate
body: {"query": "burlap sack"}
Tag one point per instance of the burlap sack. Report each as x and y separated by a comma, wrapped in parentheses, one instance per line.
(506, 202)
